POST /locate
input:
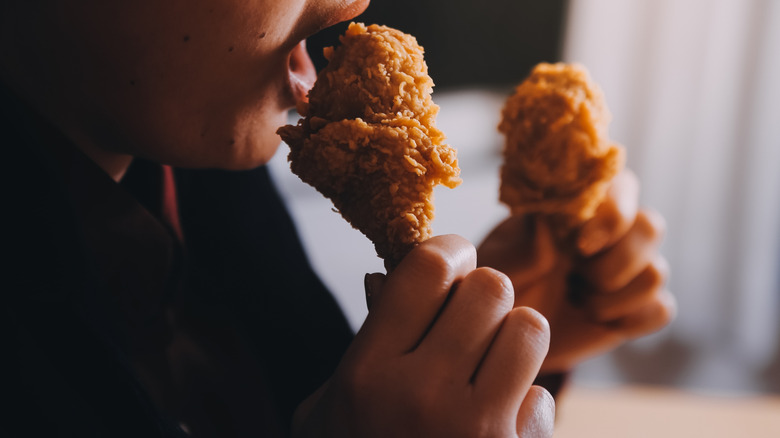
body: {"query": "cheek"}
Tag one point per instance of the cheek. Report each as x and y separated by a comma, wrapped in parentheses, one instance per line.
(226, 135)
(191, 98)
(225, 123)
(243, 143)
(231, 123)
(256, 140)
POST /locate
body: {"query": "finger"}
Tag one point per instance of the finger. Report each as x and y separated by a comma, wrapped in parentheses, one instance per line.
(544, 254)
(469, 322)
(638, 293)
(614, 216)
(616, 267)
(513, 360)
(372, 285)
(536, 417)
(512, 232)
(649, 319)
(523, 247)
(415, 291)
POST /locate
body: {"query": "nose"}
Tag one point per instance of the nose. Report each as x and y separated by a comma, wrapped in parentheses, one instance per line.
(351, 9)
(330, 12)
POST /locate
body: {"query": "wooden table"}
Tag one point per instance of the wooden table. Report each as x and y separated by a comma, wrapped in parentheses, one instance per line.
(639, 412)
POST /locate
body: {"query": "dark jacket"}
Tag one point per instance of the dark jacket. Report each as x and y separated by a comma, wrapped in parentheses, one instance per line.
(245, 328)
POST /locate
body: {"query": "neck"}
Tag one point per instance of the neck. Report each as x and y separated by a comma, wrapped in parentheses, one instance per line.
(15, 109)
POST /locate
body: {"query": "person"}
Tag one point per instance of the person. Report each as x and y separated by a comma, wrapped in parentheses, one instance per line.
(155, 285)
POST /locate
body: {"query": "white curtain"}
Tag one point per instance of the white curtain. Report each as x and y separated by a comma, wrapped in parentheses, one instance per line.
(693, 86)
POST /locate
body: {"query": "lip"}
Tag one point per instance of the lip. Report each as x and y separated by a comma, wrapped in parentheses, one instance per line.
(301, 72)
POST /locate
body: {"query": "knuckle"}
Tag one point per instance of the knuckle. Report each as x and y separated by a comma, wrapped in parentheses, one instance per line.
(432, 260)
(651, 223)
(607, 214)
(442, 256)
(657, 273)
(658, 315)
(492, 283)
(530, 320)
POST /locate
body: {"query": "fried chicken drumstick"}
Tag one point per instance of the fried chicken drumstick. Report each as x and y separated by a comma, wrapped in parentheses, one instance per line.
(369, 141)
(558, 159)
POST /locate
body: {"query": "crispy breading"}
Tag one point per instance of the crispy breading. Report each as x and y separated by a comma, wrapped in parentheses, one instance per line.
(558, 159)
(369, 141)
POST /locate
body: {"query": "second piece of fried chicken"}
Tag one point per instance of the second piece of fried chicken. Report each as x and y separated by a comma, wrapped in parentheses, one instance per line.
(369, 141)
(558, 159)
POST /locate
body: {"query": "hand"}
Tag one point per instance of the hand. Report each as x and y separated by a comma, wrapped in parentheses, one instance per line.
(605, 288)
(441, 354)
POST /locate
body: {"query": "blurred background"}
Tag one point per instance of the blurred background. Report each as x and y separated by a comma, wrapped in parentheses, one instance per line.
(693, 89)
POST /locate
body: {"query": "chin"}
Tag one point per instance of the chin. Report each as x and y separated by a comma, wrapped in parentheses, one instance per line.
(243, 144)
(251, 152)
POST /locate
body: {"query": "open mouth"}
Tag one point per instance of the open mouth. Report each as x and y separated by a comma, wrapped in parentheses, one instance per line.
(302, 72)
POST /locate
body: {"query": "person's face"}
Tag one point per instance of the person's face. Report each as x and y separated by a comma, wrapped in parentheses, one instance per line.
(201, 83)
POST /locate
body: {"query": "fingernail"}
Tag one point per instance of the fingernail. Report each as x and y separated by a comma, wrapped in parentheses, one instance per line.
(372, 283)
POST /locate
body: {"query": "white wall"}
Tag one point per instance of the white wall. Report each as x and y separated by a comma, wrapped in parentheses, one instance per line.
(693, 88)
